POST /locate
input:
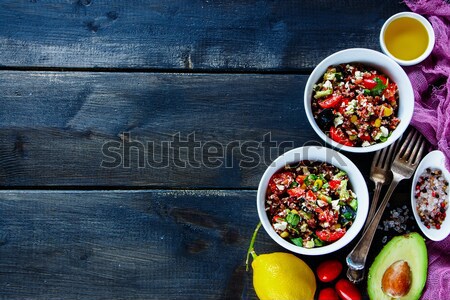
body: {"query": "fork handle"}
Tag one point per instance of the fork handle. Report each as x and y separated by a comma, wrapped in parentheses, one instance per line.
(373, 205)
(356, 260)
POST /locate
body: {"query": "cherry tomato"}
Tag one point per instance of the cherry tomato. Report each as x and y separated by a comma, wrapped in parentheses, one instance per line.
(329, 270)
(334, 184)
(327, 235)
(382, 78)
(337, 135)
(369, 83)
(280, 182)
(296, 192)
(328, 294)
(331, 101)
(347, 290)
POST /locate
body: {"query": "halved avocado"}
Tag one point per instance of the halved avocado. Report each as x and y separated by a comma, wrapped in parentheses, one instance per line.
(406, 260)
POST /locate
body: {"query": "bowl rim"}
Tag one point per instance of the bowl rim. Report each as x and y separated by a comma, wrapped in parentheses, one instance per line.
(324, 154)
(370, 56)
(424, 22)
(432, 157)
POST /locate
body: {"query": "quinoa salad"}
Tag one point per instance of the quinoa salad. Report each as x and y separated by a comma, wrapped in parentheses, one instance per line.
(356, 105)
(310, 204)
(431, 195)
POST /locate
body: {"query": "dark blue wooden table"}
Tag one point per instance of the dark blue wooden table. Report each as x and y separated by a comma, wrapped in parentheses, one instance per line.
(133, 135)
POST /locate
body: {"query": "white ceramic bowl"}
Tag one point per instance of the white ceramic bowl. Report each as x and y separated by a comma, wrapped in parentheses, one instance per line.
(337, 159)
(424, 22)
(434, 159)
(380, 62)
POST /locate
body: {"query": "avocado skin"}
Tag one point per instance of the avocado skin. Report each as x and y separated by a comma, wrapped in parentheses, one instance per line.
(410, 248)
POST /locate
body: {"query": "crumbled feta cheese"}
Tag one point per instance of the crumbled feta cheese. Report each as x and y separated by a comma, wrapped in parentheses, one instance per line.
(384, 131)
(321, 203)
(358, 75)
(377, 137)
(350, 109)
(280, 226)
(280, 187)
(304, 227)
(328, 85)
(335, 204)
(338, 120)
(365, 144)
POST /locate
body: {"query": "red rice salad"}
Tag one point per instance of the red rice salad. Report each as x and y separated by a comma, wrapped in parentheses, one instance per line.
(310, 204)
(356, 105)
(431, 198)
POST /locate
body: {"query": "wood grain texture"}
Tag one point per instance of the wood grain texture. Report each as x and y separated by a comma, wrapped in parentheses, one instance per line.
(125, 245)
(53, 128)
(186, 35)
(134, 245)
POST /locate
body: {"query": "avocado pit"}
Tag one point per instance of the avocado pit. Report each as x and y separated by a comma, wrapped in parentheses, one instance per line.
(397, 278)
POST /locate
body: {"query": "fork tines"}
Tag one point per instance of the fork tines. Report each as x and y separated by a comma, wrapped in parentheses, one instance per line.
(412, 147)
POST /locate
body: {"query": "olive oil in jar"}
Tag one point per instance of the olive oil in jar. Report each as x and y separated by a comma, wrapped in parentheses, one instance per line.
(406, 38)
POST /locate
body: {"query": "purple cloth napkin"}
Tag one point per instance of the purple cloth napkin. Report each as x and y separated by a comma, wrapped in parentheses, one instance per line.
(431, 78)
(431, 84)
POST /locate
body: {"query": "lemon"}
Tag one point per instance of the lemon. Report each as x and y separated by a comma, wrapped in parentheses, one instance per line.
(281, 276)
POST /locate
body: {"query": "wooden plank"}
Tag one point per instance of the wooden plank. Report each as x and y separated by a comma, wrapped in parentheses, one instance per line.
(123, 245)
(56, 128)
(180, 35)
(133, 245)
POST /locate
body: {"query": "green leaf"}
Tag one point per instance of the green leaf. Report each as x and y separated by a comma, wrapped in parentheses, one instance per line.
(293, 184)
(297, 241)
(293, 219)
(354, 204)
(317, 242)
(379, 88)
(383, 138)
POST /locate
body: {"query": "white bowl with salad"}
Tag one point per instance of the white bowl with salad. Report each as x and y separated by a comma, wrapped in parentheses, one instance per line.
(312, 200)
(359, 100)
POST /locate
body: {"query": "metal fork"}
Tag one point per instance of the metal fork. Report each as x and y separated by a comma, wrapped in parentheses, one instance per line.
(403, 167)
(380, 174)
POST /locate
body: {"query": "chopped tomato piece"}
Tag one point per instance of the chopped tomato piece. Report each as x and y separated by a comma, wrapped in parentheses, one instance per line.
(310, 196)
(280, 182)
(369, 83)
(334, 184)
(331, 101)
(389, 92)
(365, 137)
(337, 135)
(327, 235)
(296, 192)
(300, 179)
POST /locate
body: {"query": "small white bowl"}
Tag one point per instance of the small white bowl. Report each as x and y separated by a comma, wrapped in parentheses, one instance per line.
(424, 22)
(380, 62)
(434, 159)
(323, 154)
